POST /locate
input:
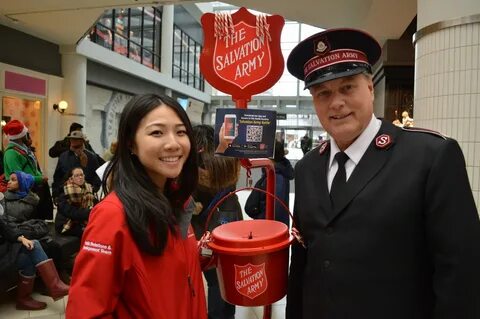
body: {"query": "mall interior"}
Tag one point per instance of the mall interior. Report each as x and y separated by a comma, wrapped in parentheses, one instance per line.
(96, 55)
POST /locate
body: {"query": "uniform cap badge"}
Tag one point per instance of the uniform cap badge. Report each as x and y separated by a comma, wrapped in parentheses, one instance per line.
(322, 46)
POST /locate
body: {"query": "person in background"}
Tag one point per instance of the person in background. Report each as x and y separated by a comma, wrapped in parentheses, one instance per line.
(74, 204)
(217, 177)
(306, 143)
(28, 257)
(64, 145)
(107, 156)
(76, 156)
(138, 256)
(256, 202)
(20, 202)
(360, 253)
(18, 156)
(20, 206)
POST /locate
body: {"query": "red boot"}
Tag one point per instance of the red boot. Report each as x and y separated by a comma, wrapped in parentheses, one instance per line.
(56, 287)
(24, 290)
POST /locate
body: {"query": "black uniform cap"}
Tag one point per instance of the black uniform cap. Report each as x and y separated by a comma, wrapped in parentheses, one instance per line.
(333, 54)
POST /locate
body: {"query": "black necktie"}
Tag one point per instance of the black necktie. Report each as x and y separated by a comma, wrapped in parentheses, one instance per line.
(338, 190)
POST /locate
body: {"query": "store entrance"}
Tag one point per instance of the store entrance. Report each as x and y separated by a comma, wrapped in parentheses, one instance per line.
(29, 111)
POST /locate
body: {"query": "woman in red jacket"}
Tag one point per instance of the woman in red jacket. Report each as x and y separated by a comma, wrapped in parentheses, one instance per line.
(138, 257)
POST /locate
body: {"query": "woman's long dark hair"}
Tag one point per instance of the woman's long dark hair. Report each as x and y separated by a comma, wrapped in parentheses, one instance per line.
(150, 214)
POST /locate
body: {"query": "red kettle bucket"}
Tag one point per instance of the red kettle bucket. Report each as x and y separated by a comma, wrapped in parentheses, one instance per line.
(252, 258)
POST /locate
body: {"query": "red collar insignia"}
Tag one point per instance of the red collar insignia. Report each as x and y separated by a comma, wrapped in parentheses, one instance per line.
(383, 141)
(323, 147)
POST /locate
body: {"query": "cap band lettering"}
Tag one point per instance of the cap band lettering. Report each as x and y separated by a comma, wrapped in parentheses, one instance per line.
(333, 57)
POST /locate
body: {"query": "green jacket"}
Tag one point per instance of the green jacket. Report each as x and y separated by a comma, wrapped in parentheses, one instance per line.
(15, 159)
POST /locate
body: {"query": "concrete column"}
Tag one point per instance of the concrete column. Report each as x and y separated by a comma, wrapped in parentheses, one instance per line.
(74, 69)
(447, 75)
(167, 41)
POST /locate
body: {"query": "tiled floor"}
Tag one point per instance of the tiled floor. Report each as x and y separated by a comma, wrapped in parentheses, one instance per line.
(56, 310)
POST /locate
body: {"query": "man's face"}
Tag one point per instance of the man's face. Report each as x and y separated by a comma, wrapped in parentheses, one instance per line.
(344, 106)
(76, 145)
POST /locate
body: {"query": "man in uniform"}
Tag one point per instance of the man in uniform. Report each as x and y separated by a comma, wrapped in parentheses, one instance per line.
(386, 215)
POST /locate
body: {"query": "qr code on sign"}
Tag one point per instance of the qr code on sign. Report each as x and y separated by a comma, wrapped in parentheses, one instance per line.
(254, 133)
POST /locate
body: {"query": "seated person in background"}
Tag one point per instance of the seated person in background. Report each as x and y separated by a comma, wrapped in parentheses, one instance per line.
(18, 252)
(20, 205)
(76, 156)
(20, 202)
(74, 204)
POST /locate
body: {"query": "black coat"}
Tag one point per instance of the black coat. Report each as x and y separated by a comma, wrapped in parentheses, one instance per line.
(69, 160)
(9, 247)
(66, 211)
(405, 244)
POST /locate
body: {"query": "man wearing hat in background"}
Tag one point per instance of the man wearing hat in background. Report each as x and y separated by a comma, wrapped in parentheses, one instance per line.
(76, 156)
(18, 156)
(376, 246)
(63, 145)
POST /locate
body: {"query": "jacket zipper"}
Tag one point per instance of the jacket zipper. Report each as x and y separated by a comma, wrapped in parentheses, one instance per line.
(189, 277)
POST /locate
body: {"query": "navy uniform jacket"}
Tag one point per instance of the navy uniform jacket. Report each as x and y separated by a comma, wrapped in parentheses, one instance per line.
(406, 243)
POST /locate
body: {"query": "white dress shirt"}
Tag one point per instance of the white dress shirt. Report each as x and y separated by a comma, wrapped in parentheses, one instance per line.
(355, 151)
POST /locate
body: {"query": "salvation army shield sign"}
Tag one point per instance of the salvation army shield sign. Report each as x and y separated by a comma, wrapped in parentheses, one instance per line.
(242, 63)
(241, 54)
(251, 280)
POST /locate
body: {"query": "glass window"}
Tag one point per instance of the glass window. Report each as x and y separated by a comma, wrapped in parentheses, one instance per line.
(136, 25)
(148, 28)
(186, 55)
(120, 44)
(135, 52)
(106, 19)
(131, 32)
(102, 36)
(308, 30)
(147, 58)
(290, 32)
(121, 22)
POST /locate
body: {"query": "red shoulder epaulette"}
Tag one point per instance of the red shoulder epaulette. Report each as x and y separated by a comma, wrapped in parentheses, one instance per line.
(424, 130)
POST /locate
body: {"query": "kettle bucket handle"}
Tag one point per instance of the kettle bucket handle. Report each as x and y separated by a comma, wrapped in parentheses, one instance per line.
(210, 213)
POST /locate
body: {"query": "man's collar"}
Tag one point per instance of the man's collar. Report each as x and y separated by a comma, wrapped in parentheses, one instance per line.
(356, 150)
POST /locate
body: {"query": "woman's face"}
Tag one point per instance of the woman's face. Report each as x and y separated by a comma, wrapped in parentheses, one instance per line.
(78, 178)
(162, 144)
(12, 184)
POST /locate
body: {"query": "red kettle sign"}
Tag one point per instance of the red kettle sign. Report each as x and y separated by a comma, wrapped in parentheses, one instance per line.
(241, 54)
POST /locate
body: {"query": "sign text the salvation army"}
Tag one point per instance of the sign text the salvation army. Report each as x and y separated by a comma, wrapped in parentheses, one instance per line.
(245, 54)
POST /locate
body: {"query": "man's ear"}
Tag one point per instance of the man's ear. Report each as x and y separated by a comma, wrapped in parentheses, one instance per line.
(371, 88)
